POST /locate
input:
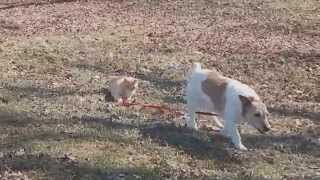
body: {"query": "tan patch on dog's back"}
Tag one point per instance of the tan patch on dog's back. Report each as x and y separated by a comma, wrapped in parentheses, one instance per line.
(215, 87)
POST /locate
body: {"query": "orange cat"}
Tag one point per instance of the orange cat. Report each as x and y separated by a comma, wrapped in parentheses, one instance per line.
(122, 88)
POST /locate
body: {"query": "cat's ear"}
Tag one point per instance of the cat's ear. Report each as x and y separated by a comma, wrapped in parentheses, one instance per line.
(135, 82)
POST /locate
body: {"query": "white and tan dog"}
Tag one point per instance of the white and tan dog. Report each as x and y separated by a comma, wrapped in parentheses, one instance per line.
(233, 101)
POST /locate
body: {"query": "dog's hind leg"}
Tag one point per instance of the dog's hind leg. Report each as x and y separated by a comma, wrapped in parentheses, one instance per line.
(217, 122)
(192, 120)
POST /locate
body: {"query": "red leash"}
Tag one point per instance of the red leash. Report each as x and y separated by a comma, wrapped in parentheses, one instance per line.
(163, 108)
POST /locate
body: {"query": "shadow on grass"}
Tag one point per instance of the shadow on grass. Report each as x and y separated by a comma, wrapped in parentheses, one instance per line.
(295, 112)
(195, 143)
(107, 122)
(29, 91)
(296, 144)
(202, 146)
(46, 166)
(22, 129)
(12, 118)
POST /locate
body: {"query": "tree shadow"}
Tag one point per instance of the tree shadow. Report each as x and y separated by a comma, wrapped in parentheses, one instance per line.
(296, 112)
(61, 166)
(64, 167)
(296, 144)
(107, 122)
(20, 129)
(31, 3)
(13, 118)
(308, 57)
(41, 92)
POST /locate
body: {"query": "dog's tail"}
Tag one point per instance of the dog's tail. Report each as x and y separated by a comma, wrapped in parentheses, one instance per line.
(196, 67)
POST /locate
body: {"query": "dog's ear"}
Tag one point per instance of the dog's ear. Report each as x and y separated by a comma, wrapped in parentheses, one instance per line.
(246, 100)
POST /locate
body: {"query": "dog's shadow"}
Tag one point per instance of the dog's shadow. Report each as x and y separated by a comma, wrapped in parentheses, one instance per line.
(199, 144)
(204, 145)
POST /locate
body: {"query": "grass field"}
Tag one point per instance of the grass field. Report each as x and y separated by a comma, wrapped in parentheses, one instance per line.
(56, 56)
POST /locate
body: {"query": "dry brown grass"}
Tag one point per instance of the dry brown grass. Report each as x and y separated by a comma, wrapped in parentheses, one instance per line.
(55, 60)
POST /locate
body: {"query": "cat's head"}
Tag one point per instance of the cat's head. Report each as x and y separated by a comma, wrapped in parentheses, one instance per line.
(130, 83)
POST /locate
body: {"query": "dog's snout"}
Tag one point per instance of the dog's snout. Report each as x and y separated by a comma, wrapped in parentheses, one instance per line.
(266, 129)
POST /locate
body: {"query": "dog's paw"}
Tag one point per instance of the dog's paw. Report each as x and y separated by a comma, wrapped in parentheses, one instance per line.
(195, 127)
(223, 132)
(241, 147)
(192, 126)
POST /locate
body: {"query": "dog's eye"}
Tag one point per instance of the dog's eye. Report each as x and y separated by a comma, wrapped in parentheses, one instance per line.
(257, 114)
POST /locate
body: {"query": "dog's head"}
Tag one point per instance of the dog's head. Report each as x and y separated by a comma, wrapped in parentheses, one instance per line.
(255, 113)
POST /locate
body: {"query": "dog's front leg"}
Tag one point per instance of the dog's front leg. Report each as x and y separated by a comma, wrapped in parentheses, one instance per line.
(236, 138)
(230, 128)
(191, 121)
